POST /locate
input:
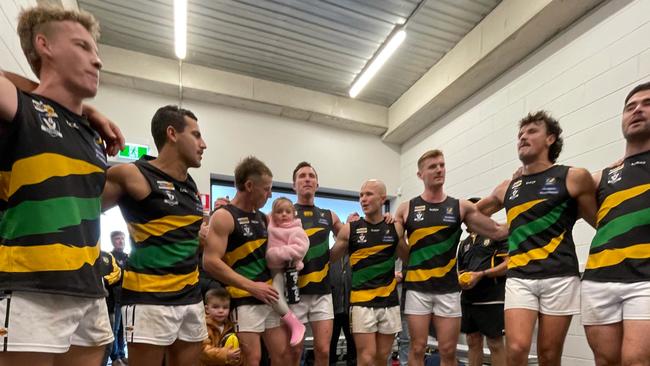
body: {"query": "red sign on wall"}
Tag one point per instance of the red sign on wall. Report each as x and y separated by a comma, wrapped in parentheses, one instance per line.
(205, 201)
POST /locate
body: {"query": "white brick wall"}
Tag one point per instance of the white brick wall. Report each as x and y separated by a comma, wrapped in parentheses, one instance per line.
(11, 57)
(581, 77)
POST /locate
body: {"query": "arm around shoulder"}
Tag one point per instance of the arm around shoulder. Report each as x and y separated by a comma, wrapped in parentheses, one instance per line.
(9, 99)
(581, 186)
(493, 203)
(341, 246)
(115, 187)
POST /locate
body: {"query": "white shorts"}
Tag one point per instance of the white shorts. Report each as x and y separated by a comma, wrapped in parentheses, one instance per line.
(611, 302)
(372, 320)
(312, 308)
(550, 296)
(254, 318)
(162, 325)
(424, 303)
(51, 323)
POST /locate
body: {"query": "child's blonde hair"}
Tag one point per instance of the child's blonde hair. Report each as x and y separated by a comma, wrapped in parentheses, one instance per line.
(278, 201)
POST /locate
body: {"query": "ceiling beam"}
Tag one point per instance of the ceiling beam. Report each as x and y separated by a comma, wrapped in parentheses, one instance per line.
(504, 37)
(161, 75)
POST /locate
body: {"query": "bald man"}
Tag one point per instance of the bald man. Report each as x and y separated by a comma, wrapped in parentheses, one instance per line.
(372, 245)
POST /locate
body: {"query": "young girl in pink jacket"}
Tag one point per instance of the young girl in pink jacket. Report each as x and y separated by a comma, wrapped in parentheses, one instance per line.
(287, 246)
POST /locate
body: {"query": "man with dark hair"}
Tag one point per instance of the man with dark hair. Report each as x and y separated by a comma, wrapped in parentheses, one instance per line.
(542, 205)
(163, 311)
(616, 282)
(235, 255)
(482, 268)
(315, 306)
(166, 116)
(52, 170)
(433, 226)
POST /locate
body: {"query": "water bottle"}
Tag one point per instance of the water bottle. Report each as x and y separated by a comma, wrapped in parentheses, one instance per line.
(291, 290)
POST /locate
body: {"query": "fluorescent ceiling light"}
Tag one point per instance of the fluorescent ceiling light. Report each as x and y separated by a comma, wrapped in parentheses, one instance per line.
(180, 28)
(377, 62)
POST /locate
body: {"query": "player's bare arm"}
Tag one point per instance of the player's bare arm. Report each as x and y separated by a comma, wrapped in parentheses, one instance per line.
(580, 185)
(221, 226)
(342, 242)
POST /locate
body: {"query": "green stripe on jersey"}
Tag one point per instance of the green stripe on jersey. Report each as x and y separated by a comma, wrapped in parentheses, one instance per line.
(253, 269)
(425, 253)
(48, 216)
(317, 250)
(523, 232)
(162, 256)
(361, 276)
(620, 225)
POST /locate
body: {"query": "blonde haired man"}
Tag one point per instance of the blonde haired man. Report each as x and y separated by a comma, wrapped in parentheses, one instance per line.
(52, 164)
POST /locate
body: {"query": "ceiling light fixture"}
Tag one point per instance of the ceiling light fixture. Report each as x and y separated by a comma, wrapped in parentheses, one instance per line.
(180, 28)
(377, 62)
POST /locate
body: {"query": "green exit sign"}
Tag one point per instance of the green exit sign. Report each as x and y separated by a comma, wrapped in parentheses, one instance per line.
(133, 151)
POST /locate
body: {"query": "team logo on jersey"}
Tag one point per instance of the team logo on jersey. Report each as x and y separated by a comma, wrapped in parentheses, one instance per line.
(449, 215)
(106, 260)
(242, 220)
(165, 185)
(516, 184)
(362, 238)
(419, 216)
(362, 230)
(486, 242)
(48, 118)
(419, 208)
(550, 186)
(171, 199)
(614, 175)
(247, 230)
(308, 213)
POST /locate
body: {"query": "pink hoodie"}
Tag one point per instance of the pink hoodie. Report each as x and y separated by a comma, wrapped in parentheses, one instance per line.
(287, 242)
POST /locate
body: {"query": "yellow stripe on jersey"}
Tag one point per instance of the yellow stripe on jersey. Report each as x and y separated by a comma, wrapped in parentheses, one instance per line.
(313, 230)
(316, 277)
(50, 257)
(38, 168)
(426, 231)
(418, 275)
(140, 282)
(366, 252)
(5, 177)
(242, 251)
(520, 260)
(519, 209)
(611, 257)
(158, 227)
(237, 293)
(367, 295)
(617, 198)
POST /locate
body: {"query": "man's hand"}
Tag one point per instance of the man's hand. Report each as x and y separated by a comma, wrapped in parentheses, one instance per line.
(353, 217)
(399, 277)
(618, 162)
(203, 231)
(221, 201)
(106, 129)
(233, 356)
(473, 280)
(388, 218)
(263, 292)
